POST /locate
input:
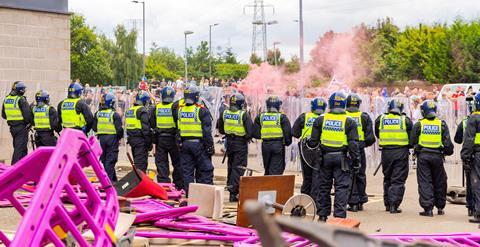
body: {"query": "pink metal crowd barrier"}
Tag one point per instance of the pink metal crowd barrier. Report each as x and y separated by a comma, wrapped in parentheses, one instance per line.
(57, 170)
(451, 239)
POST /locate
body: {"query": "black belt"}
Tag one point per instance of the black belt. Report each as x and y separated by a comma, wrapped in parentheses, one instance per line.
(166, 134)
(273, 140)
(431, 151)
(192, 140)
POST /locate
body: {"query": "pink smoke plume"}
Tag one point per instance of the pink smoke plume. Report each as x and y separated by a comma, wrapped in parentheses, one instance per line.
(334, 55)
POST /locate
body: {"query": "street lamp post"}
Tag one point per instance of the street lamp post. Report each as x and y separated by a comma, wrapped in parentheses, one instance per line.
(300, 25)
(265, 34)
(186, 54)
(143, 29)
(210, 49)
(275, 52)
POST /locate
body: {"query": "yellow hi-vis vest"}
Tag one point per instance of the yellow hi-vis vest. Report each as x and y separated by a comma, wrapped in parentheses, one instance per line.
(310, 118)
(477, 135)
(333, 130)
(430, 133)
(105, 124)
(70, 117)
(393, 130)
(41, 117)
(357, 116)
(164, 116)
(271, 125)
(132, 122)
(233, 123)
(12, 108)
(189, 122)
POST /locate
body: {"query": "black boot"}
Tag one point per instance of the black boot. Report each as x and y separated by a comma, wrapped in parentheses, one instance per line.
(360, 207)
(387, 208)
(476, 219)
(322, 218)
(353, 208)
(470, 212)
(233, 198)
(395, 209)
(426, 213)
(440, 211)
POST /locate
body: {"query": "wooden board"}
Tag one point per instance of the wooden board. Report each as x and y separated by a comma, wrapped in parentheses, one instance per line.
(250, 186)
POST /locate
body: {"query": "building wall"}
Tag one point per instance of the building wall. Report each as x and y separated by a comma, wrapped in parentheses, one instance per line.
(34, 48)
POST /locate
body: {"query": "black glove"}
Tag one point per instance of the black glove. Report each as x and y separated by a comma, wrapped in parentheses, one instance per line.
(467, 164)
(211, 150)
(356, 165)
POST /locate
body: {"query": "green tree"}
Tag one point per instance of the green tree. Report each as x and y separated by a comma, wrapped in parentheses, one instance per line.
(229, 56)
(255, 59)
(127, 63)
(275, 56)
(226, 71)
(89, 61)
(292, 66)
(167, 58)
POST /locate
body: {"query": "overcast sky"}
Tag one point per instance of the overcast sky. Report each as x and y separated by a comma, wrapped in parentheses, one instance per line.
(167, 20)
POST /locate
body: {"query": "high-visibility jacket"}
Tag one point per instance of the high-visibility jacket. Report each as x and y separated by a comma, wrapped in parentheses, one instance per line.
(477, 135)
(393, 130)
(105, 124)
(333, 130)
(310, 118)
(430, 133)
(132, 122)
(357, 116)
(233, 123)
(12, 108)
(271, 125)
(70, 117)
(189, 122)
(41, 117)
(164, 116)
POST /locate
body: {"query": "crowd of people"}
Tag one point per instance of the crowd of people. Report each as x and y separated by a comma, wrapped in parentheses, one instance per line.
(334, 133)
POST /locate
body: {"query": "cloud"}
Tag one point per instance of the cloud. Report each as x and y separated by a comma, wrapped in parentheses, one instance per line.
(166, 20)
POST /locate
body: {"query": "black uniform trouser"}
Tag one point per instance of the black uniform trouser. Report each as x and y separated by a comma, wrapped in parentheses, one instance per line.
(45, 139)
(109, 157)
(196, 164)
(359, 193)
(167, 145)
(237, 153)
(307, 173)
(475, 180)
(20, 142)
(469, 193)
(395, 173)
(139, 152)
(273, 154)
(331, 173)
(432, 180)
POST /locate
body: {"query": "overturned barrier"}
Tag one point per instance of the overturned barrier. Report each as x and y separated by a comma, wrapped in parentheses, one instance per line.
(58, 170)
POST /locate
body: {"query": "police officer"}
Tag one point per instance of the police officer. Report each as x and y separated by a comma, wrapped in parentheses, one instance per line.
(393, 130)
(165, 127)
(108, 125)
(337, 134)
(139, 135)
(430, 139)
(45, 120)
(470, 154)
(73, 111)
(17, 112)
(366, 138)
(196, 140)
(237, 125)
(468, 183)
(274, 129)
(302, 129)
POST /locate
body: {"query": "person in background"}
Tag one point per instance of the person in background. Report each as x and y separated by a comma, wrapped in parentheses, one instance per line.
(73, 112)
(45, 120)
(431, 141)
(275, 131)
(108, 125)
(17, 112)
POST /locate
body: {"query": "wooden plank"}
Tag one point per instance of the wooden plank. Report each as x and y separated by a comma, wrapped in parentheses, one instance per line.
(250, 186)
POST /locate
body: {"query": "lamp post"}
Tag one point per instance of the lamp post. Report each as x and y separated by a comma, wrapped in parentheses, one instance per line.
(143, 29)
(210, 49)
(300, 25)
(186, 54)
(275, 52)
(265, 35)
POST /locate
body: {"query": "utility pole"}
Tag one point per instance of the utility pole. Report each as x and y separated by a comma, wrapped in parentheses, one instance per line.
(302, 61)
(186, 54)
(210, 49)
(259, 35)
